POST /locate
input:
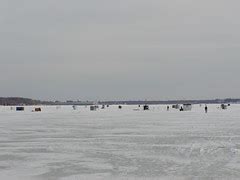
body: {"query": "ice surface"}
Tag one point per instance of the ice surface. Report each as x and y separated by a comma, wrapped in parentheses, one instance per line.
(120, 144)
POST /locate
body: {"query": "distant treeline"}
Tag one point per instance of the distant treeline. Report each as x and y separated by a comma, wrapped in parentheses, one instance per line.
(13, 101)
(215, 101)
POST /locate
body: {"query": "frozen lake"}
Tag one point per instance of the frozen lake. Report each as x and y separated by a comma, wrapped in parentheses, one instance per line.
(120, 144)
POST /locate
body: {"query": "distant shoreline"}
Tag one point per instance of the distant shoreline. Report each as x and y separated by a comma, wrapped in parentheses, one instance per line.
(13, 101)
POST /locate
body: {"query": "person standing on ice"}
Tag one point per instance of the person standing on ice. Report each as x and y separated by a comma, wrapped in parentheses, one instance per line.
(167, 108)
(206, 109)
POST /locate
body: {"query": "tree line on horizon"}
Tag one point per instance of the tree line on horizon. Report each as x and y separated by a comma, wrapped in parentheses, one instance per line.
(14, 101)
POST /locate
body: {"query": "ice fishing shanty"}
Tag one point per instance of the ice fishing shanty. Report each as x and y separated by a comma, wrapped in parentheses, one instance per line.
(186, 107)
(93, 108)
(176, 106)
(37, 109)
(145, 107)
(20, 108)
(224, 106)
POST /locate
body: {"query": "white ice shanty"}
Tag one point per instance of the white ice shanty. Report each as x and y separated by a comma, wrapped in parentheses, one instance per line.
(176, 106)
(186, 107)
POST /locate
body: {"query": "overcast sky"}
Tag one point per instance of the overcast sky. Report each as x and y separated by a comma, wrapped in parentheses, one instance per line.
(120, 49)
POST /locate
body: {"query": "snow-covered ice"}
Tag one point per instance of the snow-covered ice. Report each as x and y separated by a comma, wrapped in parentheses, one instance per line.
(120, 144)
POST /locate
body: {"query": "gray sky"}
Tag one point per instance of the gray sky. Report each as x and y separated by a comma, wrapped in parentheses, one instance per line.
(125, 49)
